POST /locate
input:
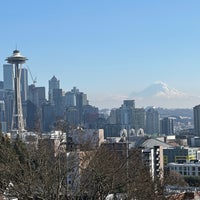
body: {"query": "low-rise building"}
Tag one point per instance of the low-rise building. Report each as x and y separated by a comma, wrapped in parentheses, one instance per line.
(179, 154)
(84, 138)
(185, 169)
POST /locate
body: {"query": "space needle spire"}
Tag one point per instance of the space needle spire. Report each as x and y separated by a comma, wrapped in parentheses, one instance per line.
(17, 119)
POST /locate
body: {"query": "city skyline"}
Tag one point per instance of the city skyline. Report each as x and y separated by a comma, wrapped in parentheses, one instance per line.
(107, 49)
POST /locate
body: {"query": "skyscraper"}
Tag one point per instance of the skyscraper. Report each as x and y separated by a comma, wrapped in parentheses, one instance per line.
(9, 102)
(1, 90)
(129, 103)
(8, 93)
(152, 121)
(37, 95)
(33, 123)
(125, 116)
(72, 116)
(139, 119)
(196, 112)
(3, 124)
(54, 83)
(167, 126)
(90, 116)
(48, 117)
(74, 102)
(58, 102)
(24, 84)
(8, 76)
(70, 99)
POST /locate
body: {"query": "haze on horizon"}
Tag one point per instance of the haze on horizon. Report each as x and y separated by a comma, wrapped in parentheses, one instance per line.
(107, 49)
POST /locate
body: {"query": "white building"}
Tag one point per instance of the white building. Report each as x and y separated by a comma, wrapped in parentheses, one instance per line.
(186, 169)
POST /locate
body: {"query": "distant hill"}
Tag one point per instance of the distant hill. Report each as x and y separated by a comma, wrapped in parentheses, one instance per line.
(176, 112)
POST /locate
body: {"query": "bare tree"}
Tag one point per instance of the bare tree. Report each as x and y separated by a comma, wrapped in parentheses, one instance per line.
(39, 173)
(175, 179)
(31, 173)
(111, 172)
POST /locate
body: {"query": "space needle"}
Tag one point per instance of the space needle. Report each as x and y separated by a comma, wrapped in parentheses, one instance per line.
(17, 60)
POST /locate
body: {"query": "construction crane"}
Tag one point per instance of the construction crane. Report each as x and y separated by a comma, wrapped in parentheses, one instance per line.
(33, 79)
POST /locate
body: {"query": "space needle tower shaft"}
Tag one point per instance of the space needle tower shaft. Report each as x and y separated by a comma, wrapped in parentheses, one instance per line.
(17, 120)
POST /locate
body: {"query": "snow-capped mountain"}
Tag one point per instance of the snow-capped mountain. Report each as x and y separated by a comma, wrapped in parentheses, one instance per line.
(159, 94)
(159, 89)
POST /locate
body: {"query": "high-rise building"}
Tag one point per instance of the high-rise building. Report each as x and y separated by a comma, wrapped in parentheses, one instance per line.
(37, 95)
(152, 121)
(129, 103)
(81, 98)
(31, 115)
(24, 84)
(72, 116)
(90, 116)
(167, 126)
(58, 103)
(48, 117)
(54, 83)
(8, 93)
(70, 99)
(113, 116)
(1, 85)
(8, 77)
(1, 90)
(81, 101)
(196, 113)
(3, 124)
(126, 114)
(9, 102)
(139, 119)
(74, 102)
(128, 117)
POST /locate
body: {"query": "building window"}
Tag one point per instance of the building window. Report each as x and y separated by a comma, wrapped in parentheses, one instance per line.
(185, 173)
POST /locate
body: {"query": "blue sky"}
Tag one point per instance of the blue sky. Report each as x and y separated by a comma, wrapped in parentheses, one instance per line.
(107, 48)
